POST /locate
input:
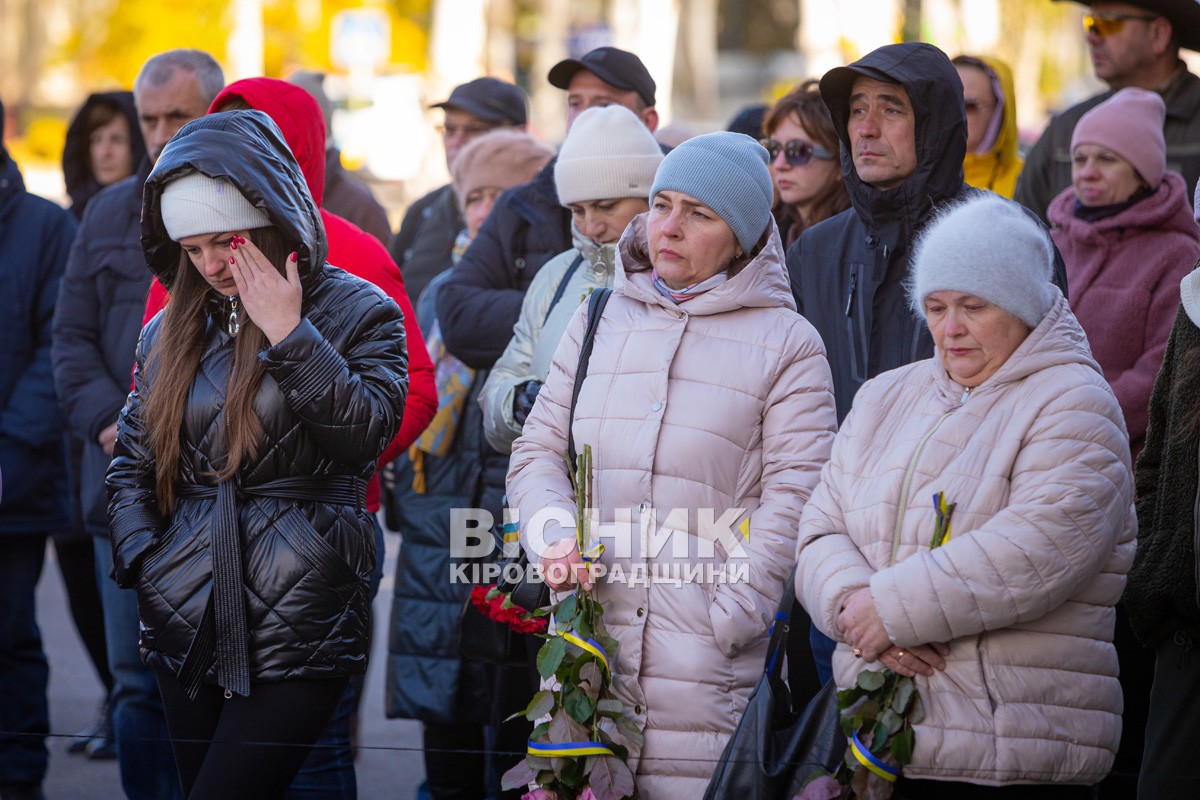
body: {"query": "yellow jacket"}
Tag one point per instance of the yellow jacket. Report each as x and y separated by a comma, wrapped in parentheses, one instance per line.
(998, 168)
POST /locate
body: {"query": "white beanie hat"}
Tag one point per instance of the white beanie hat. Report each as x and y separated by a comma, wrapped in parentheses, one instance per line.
(989, 247)
(608, 153)
(197, 204)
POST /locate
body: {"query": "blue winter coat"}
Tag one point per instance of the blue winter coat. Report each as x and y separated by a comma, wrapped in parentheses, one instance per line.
(96, 324)
(427, 679)
(35, 236)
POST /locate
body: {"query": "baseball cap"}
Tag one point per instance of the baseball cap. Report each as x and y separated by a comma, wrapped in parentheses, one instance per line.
(489, 99)
(615, 67)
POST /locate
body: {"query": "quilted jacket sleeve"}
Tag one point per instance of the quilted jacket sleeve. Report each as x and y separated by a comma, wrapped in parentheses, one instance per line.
(537, 473)
(798, 427)
(350, 402)
(1070, 505)
(479, 303)
(829, 564)
(133, 503)
(421, 402)
(513, 367)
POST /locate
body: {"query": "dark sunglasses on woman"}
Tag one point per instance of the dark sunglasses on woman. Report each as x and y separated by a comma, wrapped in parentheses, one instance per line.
(797, 152)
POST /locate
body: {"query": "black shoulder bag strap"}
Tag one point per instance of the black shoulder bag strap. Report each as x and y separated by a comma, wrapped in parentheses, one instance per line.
(596, 303)
(562, 285)
(535, 594)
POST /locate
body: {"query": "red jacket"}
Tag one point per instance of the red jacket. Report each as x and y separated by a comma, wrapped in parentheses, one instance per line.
(299, 117)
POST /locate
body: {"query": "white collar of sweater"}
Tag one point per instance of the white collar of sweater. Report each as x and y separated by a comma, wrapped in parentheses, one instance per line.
(1189, 293)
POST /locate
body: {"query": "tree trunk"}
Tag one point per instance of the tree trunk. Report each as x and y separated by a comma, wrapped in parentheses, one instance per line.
(549, 105)
(699, 45)
(650, 28)
(912, 21)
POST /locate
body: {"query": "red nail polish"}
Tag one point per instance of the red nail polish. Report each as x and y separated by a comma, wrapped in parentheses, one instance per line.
(294, 257)
(233, 245)
(231, 261)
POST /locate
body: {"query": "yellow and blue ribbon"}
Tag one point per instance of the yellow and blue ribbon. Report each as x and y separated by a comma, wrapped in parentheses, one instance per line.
(568, 749)
(871, 761)
(592, 553)
(590, 646)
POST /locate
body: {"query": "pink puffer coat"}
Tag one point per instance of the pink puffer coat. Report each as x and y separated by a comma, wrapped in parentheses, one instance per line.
(722, 403)
(1037, 460)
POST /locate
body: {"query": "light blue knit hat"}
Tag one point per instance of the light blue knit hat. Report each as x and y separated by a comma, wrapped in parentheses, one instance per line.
(728, 173)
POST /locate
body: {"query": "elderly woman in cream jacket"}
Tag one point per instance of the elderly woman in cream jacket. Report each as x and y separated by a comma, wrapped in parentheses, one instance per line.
(1008, 624)
(706, 394)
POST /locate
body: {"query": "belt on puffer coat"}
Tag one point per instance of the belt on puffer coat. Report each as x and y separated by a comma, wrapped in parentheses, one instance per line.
(222, 631)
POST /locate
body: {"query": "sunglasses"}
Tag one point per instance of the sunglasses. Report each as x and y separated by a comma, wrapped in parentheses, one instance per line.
(1109, 24)
(796, 152)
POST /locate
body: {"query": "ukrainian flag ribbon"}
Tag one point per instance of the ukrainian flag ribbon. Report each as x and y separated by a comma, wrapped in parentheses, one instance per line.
(590, 646)
(568, 749)
(871, 761)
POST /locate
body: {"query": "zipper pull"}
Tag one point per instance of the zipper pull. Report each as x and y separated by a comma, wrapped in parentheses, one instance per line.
(965, 395)
(850, 296)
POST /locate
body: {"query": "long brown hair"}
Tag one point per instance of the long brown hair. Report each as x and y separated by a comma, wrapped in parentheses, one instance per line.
(175, 359)
(805, 103)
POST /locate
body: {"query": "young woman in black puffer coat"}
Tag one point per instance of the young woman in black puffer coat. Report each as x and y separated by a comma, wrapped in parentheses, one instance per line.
(264, 393)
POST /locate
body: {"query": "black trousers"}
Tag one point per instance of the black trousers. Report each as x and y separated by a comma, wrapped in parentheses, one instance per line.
(1170, 768)
(245, 747)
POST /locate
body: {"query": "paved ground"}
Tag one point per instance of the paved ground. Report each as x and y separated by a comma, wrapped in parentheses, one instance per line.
(389, 760)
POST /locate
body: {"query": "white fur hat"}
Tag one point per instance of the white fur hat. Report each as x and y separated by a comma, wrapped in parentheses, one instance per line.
(197, 204)
(989, 247)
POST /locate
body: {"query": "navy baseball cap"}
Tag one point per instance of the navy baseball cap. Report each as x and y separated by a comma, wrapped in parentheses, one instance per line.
(490, 99)
(615, 67)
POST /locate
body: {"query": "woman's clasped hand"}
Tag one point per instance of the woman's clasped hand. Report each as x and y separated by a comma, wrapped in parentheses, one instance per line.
(864, 632)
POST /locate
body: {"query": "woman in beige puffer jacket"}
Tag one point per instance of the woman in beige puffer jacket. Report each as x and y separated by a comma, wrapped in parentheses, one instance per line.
(720, 401)
(1008, 625)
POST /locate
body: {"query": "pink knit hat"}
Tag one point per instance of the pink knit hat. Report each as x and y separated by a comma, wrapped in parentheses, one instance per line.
(1130, 123)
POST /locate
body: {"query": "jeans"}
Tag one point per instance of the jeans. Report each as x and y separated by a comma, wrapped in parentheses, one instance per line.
(328, 771)
(143, 744)
(24, 673)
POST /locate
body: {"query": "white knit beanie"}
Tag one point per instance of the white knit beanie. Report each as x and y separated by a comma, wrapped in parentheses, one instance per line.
(196, 204)
(608, 153)
(989, 247)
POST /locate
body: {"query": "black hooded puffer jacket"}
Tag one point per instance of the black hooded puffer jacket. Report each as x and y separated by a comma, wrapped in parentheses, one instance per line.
(330, 401)
(77, 173)
(848, 272)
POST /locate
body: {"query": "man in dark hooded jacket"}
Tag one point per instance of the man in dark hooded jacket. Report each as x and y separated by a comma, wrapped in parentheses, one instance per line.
(35, 236)
(899, 116)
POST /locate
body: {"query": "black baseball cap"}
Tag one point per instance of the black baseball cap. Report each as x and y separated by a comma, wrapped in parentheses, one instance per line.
(490, 99)
(618, 68)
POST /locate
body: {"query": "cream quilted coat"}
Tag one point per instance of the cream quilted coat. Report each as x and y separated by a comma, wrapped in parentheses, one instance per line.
(1037, 460)
(722, 403)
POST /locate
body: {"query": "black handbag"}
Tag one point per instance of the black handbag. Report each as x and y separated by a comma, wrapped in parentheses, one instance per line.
(785, 736)
(480, 637)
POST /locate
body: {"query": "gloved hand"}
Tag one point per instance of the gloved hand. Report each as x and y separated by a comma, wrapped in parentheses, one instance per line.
(523, 398)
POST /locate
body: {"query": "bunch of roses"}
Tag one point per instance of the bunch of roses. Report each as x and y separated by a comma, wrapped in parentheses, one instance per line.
(498, 605)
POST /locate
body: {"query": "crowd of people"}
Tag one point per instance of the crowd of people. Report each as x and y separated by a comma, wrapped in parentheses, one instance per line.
(857, 299)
